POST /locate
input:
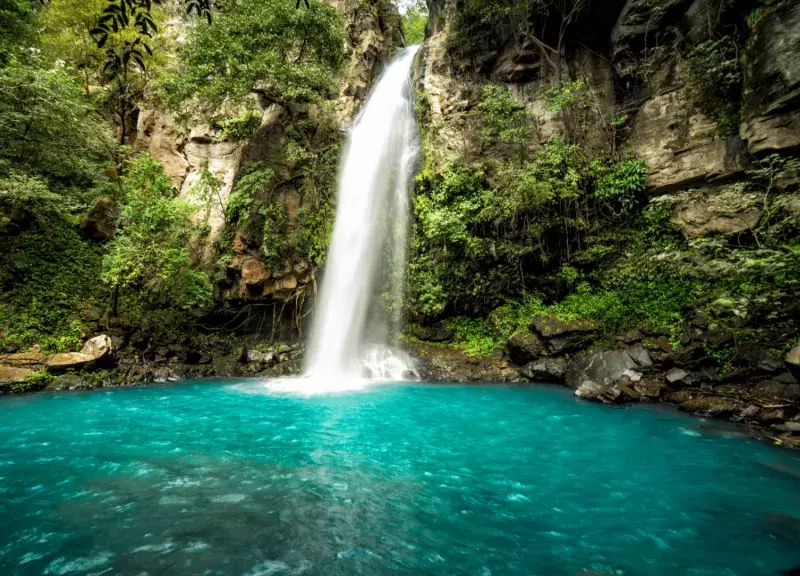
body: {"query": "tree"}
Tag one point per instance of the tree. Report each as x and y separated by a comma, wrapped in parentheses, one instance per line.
(267, 48)
(415, 20)
(151, 251)
(49, 130)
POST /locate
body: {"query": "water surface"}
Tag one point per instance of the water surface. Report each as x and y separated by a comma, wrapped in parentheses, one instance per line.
(212, 478)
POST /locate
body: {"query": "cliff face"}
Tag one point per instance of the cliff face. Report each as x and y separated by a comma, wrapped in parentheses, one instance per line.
(636, 56)
(684, 284)
(248, 271)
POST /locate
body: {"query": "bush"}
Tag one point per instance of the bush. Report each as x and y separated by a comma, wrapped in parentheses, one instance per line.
(34, 381)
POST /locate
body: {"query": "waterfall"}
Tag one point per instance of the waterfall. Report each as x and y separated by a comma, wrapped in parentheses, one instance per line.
(352, 326)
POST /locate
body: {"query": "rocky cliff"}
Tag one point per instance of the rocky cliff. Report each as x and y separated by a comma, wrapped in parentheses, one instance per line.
(273, 284)
(706, 93)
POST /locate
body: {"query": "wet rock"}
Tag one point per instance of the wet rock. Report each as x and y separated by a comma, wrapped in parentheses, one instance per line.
(650, 389)
(524, 346)
(589, 390)
(434, 333)
(545, 370)
(715, 406)
(628, 390)
(258, 357)
(771, 416)
(595, 375)
(750, 412)
(640, 356)
(69, 382)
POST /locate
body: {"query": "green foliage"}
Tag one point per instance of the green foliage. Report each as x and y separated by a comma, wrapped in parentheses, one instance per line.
(619, 182)
(151, 251)
(415, 20)
(268, 47)
(34, 381)
(475, 337)
(565, 93)
(17, 22)
(49, 132)
(242, 126)
(716, 76)
(47, 274)
(504, 121)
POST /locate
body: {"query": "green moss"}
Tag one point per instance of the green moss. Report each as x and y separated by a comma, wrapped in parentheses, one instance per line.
(34, 381)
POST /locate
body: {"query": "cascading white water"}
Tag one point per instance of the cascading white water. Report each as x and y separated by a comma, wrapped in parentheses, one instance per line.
(349, 337)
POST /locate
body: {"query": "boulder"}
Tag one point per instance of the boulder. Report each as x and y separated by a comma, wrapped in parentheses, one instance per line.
(640, 356)
(253, 356)
(631, 336)
(792, 361)
(595, 376)
(545, 370)
(69, 382)
(589, 390)
(100, 223)
(769, 389)
(714, 406)
(524, 346)
(254, 272)
(771, 416)
(564, 335)
(68, 361)
(792, 427)
(678, 376)
(13, 375)
(99, 347)
(97, 351)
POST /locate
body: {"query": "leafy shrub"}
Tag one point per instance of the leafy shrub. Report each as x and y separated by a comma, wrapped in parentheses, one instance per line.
(151, 249)
(33, 381)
